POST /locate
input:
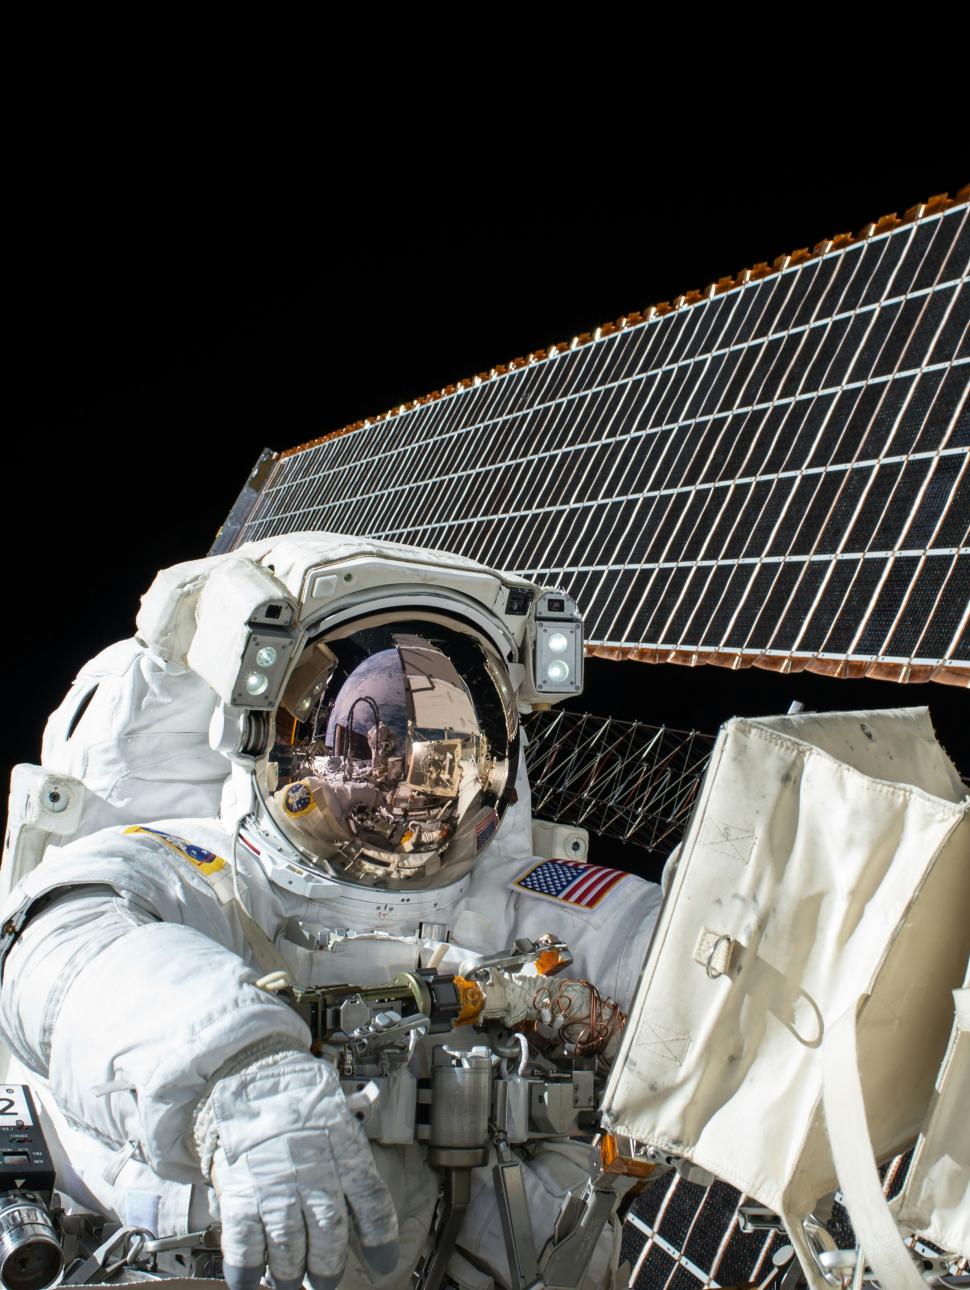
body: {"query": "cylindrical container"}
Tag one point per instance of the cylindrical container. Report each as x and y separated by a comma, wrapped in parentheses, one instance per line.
(30, 1253)
(461, 1091)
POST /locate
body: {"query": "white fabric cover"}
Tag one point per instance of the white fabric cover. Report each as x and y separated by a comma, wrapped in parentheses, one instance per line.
(232, 593)
(936, 1197)
(135, 731)
(166, 618)
(828, 859)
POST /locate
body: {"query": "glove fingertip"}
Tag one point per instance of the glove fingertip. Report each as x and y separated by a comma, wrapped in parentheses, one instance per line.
(319, 1281)
(382, 1258)
(285, 1283)
(241, 1278)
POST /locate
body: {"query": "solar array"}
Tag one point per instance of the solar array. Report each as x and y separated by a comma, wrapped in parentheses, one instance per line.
(680, 1235)
(684, 1236)
(773, 472)
(770, 472)
(621, 779)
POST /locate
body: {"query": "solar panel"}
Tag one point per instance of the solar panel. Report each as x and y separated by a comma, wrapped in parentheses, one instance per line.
(772, 472)
(686, 1236)
(680, 1235)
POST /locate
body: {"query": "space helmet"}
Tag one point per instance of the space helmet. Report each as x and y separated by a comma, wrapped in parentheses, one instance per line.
(395, 751)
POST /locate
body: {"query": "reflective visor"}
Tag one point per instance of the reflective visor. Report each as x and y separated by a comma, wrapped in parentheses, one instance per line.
(395, 751)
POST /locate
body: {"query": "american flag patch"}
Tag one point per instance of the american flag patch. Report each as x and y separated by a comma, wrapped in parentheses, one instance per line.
(485, 830)
(570, 881)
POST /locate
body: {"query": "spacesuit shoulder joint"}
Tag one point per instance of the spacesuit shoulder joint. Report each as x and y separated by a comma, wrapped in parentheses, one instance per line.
(15, 922)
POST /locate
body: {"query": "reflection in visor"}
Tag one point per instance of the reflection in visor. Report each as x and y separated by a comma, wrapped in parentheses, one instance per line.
(399, 762)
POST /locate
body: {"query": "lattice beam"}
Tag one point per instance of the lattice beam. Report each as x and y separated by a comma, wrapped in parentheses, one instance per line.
(625, 780)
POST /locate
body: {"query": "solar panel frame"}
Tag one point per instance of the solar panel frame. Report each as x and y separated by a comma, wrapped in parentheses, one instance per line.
(684, 473)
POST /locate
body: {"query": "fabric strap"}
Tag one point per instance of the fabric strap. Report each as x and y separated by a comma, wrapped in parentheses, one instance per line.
(267, 956)
(845, 1118)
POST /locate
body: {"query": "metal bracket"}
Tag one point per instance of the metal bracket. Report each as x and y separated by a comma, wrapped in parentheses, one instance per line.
(564, 1264)
(513, 1210)
(120, 1248)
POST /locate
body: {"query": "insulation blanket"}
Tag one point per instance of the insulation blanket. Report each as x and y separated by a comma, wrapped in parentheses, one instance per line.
(826, 869)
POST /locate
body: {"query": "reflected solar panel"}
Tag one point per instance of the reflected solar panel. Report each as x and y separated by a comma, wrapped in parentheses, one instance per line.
(772, 472)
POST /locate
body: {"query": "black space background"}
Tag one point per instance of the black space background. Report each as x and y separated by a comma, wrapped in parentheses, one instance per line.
(163, 335)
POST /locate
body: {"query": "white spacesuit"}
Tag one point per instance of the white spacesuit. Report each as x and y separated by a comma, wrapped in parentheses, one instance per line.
(304, 771)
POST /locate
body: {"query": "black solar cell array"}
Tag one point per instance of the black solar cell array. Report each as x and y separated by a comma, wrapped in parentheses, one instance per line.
(684, 1236)
(775, 474)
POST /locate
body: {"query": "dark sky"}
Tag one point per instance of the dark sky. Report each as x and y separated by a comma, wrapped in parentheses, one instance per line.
(164, 337)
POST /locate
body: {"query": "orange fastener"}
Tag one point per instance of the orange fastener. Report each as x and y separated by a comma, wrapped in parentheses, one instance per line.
(615, 1163)
(472, 999)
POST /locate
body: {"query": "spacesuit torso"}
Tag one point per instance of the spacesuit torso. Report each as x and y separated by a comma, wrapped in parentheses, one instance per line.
(179, 1000)
(132, 982)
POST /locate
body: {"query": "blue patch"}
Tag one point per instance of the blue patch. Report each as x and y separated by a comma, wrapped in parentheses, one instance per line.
(297, 799)
(202, 858)
(199, 853)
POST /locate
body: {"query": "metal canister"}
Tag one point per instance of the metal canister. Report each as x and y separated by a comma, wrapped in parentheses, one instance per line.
(30, 1252)
(461, 1090)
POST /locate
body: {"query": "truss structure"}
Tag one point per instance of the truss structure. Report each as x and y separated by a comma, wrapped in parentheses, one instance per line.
(625, 780)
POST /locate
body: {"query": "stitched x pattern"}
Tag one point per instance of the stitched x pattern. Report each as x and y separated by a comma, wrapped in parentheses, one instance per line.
(729, 840)
(666, 1042)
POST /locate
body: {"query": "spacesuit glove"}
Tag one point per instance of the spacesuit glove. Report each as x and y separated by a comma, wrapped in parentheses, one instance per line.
(291, 1160)
(562, 1008)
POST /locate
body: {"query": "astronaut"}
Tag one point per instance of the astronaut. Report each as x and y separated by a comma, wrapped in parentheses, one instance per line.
(305, 769)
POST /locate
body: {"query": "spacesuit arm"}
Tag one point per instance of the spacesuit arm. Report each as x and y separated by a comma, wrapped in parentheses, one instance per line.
(130, 1017)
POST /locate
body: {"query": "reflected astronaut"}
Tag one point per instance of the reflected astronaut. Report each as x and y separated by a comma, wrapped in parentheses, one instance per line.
(391, 764)
(305, 770)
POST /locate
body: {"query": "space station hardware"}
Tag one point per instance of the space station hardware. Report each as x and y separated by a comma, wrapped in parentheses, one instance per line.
(482, 1099)
(43, 1245)
(770, 472)
(626, 780)
(797, 997)
(30, 1247)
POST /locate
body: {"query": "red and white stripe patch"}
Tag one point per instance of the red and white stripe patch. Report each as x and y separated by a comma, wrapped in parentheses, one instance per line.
(246, 843)
(568, 882)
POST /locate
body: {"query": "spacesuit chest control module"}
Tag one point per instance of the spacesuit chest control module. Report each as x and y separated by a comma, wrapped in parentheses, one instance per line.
(283, 981)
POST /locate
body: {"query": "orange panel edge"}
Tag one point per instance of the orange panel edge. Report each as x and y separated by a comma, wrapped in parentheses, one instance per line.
(876, 669)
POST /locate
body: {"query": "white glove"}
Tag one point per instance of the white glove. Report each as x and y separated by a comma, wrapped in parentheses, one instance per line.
(289, 1159)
